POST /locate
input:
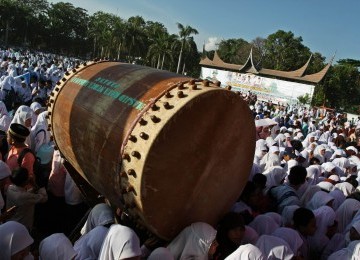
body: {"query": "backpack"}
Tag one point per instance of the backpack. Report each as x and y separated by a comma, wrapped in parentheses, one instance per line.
(45, 151)
(40, 170)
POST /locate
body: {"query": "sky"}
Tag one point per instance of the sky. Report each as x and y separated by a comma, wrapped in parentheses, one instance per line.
(326, 26)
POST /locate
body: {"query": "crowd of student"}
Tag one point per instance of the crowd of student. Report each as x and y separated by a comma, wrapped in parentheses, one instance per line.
(302, 199)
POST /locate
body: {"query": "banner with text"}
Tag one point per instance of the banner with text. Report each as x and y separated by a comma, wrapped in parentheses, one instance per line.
(278, 91)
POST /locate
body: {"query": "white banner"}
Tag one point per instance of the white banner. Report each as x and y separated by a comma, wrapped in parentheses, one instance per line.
(278, 91)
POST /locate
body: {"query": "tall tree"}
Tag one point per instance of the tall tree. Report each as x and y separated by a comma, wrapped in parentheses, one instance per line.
(135, 38)
(68, 27)
(184, 33)
(341, 88)
(285, 51)
(9, 12)
(234, 50)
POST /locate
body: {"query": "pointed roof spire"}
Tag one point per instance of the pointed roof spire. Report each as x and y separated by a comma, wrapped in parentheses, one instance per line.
(300, 72)
(217, 58)
(317, 77)
(249, 66)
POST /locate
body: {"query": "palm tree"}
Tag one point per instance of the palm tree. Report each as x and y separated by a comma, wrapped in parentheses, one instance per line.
(184, 33)
(135, 37)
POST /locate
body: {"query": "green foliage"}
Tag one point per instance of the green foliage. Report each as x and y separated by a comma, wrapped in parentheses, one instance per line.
(234, 50)
(341, 87)
(305, 99)
(184, 34)
(284, 51)
(351, 62)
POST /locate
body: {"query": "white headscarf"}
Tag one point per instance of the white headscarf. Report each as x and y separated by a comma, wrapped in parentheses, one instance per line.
(339, 198)
(290, 164)
(342, 163)
(264, 225)
(320, 198)
(250, 236)
(346, 187)
(14, 238)
(274, 176)
(56, 247)
(7, 83)
(161, 253)
(41, 124)
(5, 120)
(317, 153)
(275, 216)
(274, 248)
(336, 243)
(328, 166)
(89, 245)
(355, 219)
(100, 215)
(325, 185)
(345, 213)
(34, 107)
(291, 236)
(313, 173)
(308, 194)
(352, 251)
(22, 114)
(121, 242)
(246, 252)
(287, 215)
(325, 217)
(195, 240)
(271, 160)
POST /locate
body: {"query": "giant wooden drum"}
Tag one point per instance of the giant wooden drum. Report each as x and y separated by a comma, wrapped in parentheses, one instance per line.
(168, 149)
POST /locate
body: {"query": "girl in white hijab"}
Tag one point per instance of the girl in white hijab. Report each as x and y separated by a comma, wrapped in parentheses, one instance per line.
(313, 173)
(100, 215)
(23, 116)
(36, 108)
(274, 176)
(287, 215)
(346, 187)
(39, 132)
(319, 153)
(325, 220)
(15, 241)
(5, 120)
(246, 252)
(345, 213)
(351, 252)
(56, 247)
(339, 198)
(89, 245)
(343, 164)
(308, 194)
(194, 241)
(320, 198)
(260, 151)
(264, 225)
(121, 242)
(291, 236)
(274, 248)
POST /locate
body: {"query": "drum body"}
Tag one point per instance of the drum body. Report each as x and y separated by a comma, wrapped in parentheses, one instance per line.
(167, 149)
